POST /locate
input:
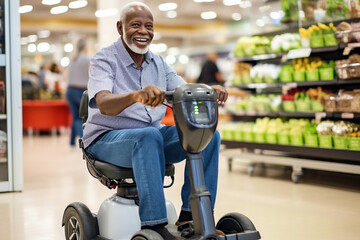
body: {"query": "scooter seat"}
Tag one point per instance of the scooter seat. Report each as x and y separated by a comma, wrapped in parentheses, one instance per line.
(115, 172)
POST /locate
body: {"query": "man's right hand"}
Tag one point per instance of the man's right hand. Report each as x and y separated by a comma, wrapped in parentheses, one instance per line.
(151, 96)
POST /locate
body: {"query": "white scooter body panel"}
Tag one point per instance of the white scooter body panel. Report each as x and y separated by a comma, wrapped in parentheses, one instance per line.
(118, 218)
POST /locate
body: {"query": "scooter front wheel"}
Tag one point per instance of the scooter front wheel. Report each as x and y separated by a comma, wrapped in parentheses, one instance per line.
(235, 223)
(146, 234)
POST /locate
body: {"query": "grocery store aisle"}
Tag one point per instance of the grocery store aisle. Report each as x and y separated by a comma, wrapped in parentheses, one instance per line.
(323, 206)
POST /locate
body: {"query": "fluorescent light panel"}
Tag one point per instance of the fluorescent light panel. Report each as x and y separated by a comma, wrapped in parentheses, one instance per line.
(50, 2)
(78, 4)
(208, 15)
(59, 10)
(106, 12)
(25, 9)
(167, 6)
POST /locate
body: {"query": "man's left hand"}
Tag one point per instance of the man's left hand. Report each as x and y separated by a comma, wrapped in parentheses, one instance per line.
(221, 93)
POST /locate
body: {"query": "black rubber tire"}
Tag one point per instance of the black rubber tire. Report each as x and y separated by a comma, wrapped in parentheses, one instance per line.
(79, 223)
(235, 223)
(146, 234)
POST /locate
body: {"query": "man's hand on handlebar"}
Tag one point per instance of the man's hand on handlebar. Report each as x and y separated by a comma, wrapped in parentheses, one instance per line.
(151, 96)
(221, 93)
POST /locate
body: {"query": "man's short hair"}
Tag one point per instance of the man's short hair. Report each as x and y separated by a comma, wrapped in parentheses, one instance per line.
(126, 8)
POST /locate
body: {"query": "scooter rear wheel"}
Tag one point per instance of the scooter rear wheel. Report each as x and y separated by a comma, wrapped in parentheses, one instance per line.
(79, 223)
(146, 234)
(235, 223)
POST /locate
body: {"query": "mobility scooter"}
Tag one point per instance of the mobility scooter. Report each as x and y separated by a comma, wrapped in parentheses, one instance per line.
(196, 115)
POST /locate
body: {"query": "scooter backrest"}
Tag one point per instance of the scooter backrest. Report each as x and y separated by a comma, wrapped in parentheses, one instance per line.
(83, 109)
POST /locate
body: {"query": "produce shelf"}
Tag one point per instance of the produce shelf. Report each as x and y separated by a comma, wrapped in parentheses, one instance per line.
(325, 49)
(260, 57)
(329, 115)
(323, 153)
(291, 85)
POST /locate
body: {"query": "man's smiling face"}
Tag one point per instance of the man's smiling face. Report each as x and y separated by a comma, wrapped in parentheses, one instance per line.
(138, 30)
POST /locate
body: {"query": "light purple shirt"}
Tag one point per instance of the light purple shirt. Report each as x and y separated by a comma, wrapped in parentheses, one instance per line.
(114, 70)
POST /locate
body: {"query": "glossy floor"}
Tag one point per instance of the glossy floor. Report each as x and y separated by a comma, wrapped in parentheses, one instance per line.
(323, 206)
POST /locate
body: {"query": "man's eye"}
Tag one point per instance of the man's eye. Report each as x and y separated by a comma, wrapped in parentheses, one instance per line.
(135, 25)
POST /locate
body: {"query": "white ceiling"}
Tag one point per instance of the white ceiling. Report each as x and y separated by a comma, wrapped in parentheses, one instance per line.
(188, 14)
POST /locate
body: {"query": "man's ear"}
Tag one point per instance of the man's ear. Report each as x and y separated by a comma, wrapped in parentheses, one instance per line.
(119, 27)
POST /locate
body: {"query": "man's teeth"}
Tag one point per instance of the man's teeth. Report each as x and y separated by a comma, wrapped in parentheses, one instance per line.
(141, 39)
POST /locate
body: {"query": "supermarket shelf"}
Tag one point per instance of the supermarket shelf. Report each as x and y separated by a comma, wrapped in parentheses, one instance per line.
(260, 57)
(325, 49)
(291, 85)
(318, 115)
(280, 55)
(348, 81)
(309, 152)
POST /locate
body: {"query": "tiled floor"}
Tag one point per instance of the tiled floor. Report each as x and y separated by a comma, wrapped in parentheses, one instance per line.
(324, 206)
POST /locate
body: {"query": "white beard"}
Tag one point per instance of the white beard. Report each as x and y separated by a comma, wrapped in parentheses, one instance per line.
(133, 47)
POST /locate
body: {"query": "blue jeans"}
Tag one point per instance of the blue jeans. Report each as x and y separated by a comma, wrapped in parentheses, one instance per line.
(147, 151)
(73, 96)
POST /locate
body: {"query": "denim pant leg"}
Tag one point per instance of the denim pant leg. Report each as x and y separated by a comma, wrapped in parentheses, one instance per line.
(174, 153)
(143, 150)
(73, 96)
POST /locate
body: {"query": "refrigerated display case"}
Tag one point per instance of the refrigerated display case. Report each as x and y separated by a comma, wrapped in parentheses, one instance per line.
(11, 177)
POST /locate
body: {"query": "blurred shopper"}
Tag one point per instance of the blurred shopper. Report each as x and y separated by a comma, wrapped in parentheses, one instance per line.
(210, 73)
(78, 76)
(41, 76)
(54, 81)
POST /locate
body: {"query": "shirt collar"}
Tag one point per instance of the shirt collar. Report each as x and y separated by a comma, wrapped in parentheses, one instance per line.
(126, 56)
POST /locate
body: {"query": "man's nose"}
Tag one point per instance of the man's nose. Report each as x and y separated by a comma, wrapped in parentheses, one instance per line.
(143, 30)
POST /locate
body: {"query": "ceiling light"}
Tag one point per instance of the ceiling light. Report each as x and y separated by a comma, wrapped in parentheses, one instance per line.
(32, 38)
(31, 48)
(208, 15)
(44, 34)
(167, 6)
(24, 40)
(158, 48)
(59, 10)
(245, 3)
(106, 12)
(171, 14)
(170, 59)
(25, 9)
(236, 16)
(260, 22)
(183, 59)
(200, 1)
(174, 51)
(68, 47)
(50, 2)
(65, 61)
(231, 2)
(78, 4)
(43, 47)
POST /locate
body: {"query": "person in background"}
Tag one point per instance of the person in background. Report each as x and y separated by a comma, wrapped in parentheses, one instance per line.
(127, 84)
(41, 76)
(210, 73)
(54, 80)
(78, 76)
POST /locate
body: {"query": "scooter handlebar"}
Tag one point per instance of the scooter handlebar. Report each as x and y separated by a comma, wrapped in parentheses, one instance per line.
(169, 95)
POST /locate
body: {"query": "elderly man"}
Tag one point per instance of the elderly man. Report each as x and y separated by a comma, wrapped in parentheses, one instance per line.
(127, 85)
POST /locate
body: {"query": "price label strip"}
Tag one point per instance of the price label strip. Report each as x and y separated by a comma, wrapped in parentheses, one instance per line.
(319, 116)
(347, 116)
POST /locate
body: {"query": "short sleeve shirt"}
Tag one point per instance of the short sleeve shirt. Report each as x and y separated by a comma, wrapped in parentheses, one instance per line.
(113, 69)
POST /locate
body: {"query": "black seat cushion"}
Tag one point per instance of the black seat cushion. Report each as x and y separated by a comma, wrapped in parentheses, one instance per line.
(115, 172)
